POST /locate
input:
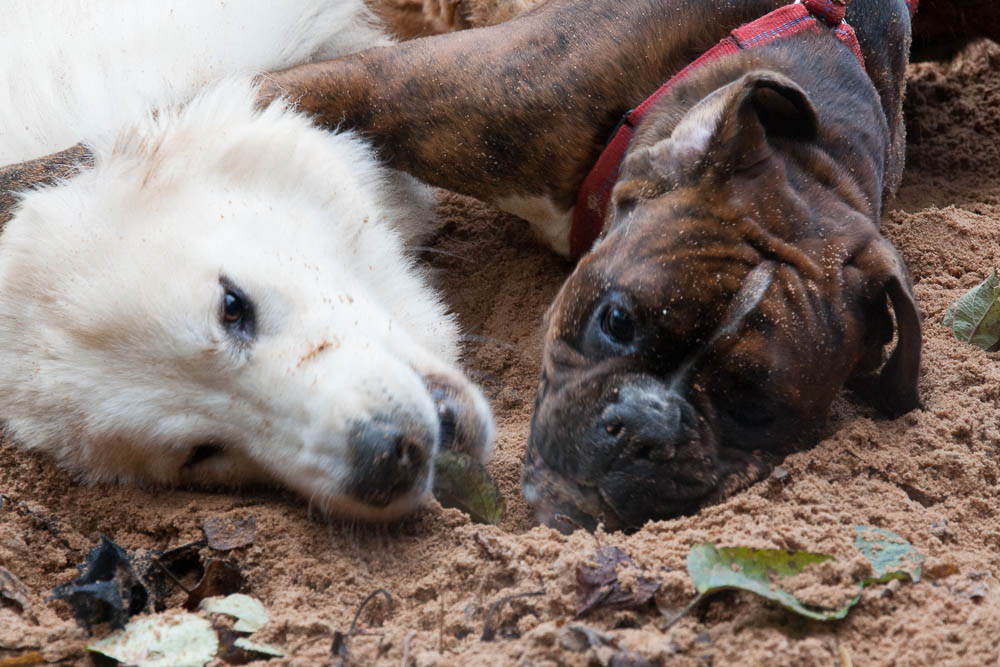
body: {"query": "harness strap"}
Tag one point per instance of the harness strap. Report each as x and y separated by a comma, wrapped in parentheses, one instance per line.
(595, 194)
(831, 11)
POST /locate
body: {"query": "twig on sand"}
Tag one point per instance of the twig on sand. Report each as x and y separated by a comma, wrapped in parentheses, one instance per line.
(406, 647)
(485, 548)
(690, 605)
(441, 623)
(845, 655)
(170, 575)
(340, 640)
(489, 632)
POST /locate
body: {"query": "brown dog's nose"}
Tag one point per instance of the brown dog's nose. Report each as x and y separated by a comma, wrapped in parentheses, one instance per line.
(390, 458)
(648, 421)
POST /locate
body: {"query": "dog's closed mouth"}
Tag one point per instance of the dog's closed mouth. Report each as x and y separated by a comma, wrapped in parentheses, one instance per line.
(561, 503)
(460, 419)
(447, 419)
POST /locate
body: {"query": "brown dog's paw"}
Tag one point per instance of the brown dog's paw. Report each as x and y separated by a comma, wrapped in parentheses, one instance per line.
(444, 15)
(481, 13)
(417, 18)
(450, 15)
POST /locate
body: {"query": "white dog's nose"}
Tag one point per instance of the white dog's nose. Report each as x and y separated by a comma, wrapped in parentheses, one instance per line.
(390, 457)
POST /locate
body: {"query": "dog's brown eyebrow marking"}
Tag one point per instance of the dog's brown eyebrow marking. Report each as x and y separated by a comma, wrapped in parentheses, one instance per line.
(319, 349)
(755, 285)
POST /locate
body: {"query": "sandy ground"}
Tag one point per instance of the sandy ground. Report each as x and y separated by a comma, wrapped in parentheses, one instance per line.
(931, 476)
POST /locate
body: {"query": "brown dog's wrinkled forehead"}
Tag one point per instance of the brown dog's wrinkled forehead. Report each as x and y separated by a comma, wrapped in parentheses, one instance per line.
(680, 266)
(713, 295)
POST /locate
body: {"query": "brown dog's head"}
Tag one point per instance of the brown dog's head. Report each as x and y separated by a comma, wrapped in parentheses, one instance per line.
(742, 282)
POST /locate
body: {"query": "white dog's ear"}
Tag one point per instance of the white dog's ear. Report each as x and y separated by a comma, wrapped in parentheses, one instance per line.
(15, 178)
(734, 127)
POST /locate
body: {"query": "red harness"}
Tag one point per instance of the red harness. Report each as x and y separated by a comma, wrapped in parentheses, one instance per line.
(595, 193)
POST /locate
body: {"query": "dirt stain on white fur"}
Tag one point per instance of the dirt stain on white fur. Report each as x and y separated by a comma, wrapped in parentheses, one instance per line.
(313, 353)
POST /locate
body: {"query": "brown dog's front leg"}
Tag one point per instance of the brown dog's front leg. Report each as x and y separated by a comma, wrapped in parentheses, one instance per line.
(14, 178)
(520, 109)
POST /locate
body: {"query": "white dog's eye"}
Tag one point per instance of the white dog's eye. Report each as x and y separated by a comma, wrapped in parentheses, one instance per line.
(232, 308)
(237, 312)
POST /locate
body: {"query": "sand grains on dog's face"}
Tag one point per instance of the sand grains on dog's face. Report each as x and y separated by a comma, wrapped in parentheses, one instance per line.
(930, 476)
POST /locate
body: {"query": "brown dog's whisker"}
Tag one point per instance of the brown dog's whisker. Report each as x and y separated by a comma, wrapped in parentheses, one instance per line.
(443, 253)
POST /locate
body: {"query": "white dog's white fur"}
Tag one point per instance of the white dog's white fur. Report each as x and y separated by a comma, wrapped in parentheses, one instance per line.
(114, 357)
(76, 69)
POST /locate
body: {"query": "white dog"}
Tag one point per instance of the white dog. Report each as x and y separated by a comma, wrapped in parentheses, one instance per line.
(225, 296)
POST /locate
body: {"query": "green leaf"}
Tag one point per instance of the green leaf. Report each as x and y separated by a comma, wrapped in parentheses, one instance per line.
(891, 556)
(463, 483)
(249, 612)
(170, 639)
(975, 316)
(758, 571)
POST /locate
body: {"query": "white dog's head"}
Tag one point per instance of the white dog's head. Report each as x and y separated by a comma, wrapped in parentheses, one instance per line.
(225, 297)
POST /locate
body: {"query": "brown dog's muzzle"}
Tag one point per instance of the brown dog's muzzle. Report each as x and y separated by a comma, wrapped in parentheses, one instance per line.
(638, 436)
(638, 448)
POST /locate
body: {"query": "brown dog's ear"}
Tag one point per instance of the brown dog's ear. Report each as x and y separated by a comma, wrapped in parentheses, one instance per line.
(885, 276)
(733, 127)
(42, 171)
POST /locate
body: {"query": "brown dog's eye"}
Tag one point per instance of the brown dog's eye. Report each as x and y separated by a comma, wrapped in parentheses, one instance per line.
(617, 323)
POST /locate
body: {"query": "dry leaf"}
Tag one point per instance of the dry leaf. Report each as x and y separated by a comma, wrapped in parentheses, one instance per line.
(598, 585)
(975, 316)
(249, 613)
(463, 483)
(170, 639)
(225, 533)
(221, 578)
(107, 590)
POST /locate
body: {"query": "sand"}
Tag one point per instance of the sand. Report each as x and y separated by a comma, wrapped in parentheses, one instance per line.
(931, 476)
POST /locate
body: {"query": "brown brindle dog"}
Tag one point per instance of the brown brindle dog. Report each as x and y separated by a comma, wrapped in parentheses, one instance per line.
(741, 280)
(740, 283)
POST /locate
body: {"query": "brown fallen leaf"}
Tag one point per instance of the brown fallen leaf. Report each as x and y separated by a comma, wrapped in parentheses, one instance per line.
(221, 578)
(225, 533)
(598, 584)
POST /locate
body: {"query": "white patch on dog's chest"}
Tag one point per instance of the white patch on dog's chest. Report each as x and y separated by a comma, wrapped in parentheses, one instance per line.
(550, 223)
